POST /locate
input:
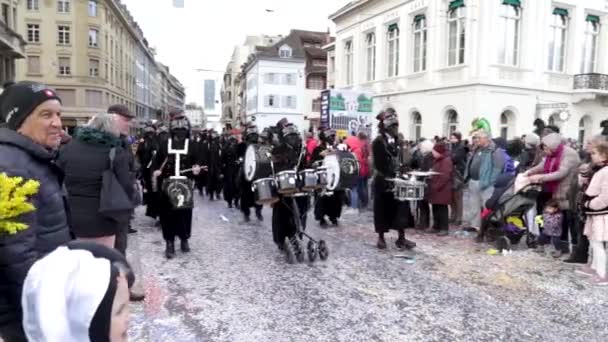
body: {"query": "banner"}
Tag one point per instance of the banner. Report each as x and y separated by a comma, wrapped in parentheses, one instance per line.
(347, 111)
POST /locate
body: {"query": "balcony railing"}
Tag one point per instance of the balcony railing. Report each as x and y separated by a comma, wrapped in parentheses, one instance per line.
(591, 81)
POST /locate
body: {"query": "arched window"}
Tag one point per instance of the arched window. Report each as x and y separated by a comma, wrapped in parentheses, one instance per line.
(452, 122)
(417, 125)
(507, 124)
(584, 128)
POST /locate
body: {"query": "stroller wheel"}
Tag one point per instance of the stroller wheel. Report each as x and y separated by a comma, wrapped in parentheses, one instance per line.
(312, 251)
(323, 251)
(503, 244)
(297, 249)
(289, 253)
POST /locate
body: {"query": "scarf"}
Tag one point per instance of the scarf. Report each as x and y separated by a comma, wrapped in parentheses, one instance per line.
(552, 164)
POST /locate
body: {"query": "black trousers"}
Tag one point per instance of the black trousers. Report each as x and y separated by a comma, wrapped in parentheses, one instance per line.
(441, 216)
(283, 218)
(122, 235)
(176, 223)
(424, 212)
(330, 206)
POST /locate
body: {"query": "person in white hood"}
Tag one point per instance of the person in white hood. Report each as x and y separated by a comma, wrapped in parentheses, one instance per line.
(77, 293)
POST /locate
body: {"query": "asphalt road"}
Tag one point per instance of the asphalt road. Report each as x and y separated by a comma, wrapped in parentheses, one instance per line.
(236, 286)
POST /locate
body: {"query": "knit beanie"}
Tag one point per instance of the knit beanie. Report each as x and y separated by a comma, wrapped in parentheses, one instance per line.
(531, 140)
(440, 148)
(425, 146)
(20, 99)
(552, 141)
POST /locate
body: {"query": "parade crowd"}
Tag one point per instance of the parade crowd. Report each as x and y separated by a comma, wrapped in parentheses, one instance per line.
(67, 258)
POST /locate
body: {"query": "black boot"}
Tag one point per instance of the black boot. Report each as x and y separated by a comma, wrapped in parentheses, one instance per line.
(170, 250)
(246, 218)
(323, 223)
(381, 244)
(185, 246)
(258, 214)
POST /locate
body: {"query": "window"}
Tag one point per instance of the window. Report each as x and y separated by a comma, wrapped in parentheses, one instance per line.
(94, 67)
(271, 101)
(33, 33)
(348, 61)
(33, 65)
(332, 63)
(456, 33)
(316, 82)
(92, 8)
(417, 125)
(420, 38)
(63, 6)
(393, 50)
(504, 124)
(93, 33)
(508, 34)
(63, 37)
(94, 98)
(584, 126)
(5, 11)
(285, 51)
(65, 68)
(452, 122)
(33, 5)
(270, 78)
(590, 50)
(67, 96)
(370, 56)
(290, 79)
(316, 105)
(557, 40)
(289, 102)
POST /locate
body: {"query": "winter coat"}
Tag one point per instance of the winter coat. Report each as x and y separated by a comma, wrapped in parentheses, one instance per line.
(361, 150)
(492, 164)
(84, 161)
(567, 175)
(596, 202)
(459, 157)
(47, 226)
(440, 186)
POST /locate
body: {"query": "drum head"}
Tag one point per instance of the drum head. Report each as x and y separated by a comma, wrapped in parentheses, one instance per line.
(332, 164)
(250, 162)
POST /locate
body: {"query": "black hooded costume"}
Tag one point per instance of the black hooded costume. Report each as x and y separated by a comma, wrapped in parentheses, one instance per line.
(244, 186)
(175, 222)
(146, 152)
(389, 213)
(214, 166)
(329, 205)
(230, 167)
(287, 155)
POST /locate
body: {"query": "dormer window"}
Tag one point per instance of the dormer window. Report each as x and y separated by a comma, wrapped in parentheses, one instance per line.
(285, 51)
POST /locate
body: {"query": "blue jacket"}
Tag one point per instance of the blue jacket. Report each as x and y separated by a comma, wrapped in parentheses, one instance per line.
(48, 224)
(492, 164)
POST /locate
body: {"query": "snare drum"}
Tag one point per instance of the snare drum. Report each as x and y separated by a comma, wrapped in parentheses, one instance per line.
(287, 182)
(408, 190)
(322, 177)
(265, 191)
(308, 179)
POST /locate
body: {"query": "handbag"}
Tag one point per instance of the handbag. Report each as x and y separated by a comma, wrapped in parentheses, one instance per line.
(457, 181)
(113, 197)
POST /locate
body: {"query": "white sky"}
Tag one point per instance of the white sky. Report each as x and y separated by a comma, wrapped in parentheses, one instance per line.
(204, 32)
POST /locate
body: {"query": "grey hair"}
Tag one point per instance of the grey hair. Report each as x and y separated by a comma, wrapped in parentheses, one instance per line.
(484, 133)
(105, 123)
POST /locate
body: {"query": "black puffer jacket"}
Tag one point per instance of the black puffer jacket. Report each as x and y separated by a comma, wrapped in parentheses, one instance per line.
(48, 225)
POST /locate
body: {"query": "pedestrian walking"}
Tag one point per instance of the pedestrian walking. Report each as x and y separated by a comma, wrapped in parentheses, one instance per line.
(84, 161)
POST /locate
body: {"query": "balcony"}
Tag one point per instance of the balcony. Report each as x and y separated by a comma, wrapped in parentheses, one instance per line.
(593, 82)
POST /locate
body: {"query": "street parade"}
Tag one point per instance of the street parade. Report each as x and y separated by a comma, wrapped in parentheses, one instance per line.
(323, 190)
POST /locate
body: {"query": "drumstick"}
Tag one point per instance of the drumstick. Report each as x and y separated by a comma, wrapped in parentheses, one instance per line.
(190, 169)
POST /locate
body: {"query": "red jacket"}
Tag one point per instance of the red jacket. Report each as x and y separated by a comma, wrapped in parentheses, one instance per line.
(361, 150)
(440, 188)
(311, 144)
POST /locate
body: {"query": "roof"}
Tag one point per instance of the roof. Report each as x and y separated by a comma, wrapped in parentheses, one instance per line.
(347, 8)
(295, 40)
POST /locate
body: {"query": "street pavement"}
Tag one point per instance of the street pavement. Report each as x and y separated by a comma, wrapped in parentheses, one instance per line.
(236, 286)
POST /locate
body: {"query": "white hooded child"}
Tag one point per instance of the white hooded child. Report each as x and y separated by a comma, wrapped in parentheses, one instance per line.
(77, 293)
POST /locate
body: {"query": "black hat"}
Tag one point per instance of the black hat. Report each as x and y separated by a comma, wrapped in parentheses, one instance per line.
(121, 110)
(19, 100)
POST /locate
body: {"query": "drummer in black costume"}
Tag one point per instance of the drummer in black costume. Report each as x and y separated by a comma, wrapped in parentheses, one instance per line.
(246, 192)
(329, 205)
(287, 155)
(201, 151)
(175, 221)
(389, 213)
(230, 167)
(214, 165)
(146, 151)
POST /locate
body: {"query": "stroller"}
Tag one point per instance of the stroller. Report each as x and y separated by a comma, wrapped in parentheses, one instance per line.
(506, 221)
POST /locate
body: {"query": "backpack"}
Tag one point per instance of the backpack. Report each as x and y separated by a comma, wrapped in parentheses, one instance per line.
(509, 166)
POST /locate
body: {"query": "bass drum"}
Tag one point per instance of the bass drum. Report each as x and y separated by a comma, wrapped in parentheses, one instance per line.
(257, 162)
(342, 170)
